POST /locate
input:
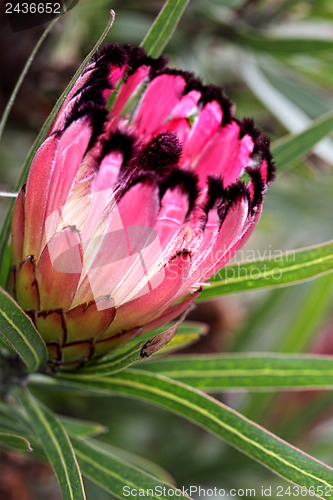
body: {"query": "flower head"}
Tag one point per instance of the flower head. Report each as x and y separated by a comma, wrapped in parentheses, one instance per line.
(132, 202)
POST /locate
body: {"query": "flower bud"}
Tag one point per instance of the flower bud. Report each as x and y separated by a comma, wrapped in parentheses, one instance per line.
(131, 203)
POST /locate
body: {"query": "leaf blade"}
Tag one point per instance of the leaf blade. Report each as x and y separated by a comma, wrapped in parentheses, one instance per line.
(133, 354)
(14, 441)
(292, 147)
(56, 445)
(19, 331)
(81, 428)
(282, 45)
(114, 473)
(163, 27)
(219, 419)
(247, 371)
(288, 268)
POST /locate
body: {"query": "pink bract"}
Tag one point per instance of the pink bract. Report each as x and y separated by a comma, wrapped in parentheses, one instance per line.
(131, 203)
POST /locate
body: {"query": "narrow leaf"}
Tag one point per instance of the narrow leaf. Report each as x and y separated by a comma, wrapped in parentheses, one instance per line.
(81, 428)
(15, 442)
(140, 351)
(57, 446)
(247, 371)
(284, 459)
(182, 341)
(141, 463)
(118, 476)
(163, 27)
(19, 331)
(4, 234)
(293, 147)
(277, 270)
(283, 45)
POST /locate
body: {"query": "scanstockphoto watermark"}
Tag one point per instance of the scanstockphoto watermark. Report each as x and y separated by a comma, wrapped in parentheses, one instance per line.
(198, 492)
(26, 14)
(190, 491)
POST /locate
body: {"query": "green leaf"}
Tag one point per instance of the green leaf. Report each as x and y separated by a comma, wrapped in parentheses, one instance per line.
(247, 371)
(277, 270)
(5, 230)
(188, 333)
(134, 460)
(6, 424)
(297, 90)
(114, 474)
(293, 147)
(15, 442)
(255, 441)
(81, 428)
(163, 27)
(57, 446)
(282, 45)
(19, 331)
(140, 351)
(7, 260)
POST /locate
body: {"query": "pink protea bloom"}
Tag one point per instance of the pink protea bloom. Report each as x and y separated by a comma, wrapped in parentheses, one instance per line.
(131, 203)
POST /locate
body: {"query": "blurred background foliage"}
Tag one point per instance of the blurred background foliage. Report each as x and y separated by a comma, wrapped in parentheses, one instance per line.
(274, 59)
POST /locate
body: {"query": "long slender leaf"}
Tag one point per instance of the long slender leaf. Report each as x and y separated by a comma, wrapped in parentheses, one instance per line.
(163, 27)
(4, 234)
(277, 270)
(273, 452)
(247, 371)
(138, 352)
(305, 321)
(141, 463)
(21, 334)
(182, 341)
(118, 476)
(292, 147)
(283, 45)
(6, 424)
(81, 428)
(57, 446)
(14, 441)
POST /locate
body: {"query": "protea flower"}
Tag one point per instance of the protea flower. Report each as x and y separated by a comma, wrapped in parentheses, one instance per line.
(131, 203)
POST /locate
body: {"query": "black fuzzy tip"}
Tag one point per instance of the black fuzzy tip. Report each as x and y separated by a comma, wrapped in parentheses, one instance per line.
(187, 75)
(215, 193)
(183, 179)
(138, 57)
(120, 141)
(263, 147)
(160, 153)
(90, 103)
(258, 187)
(214, 93)
(261, 144)
(233, 193)
(247, 127)
(114, 54)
